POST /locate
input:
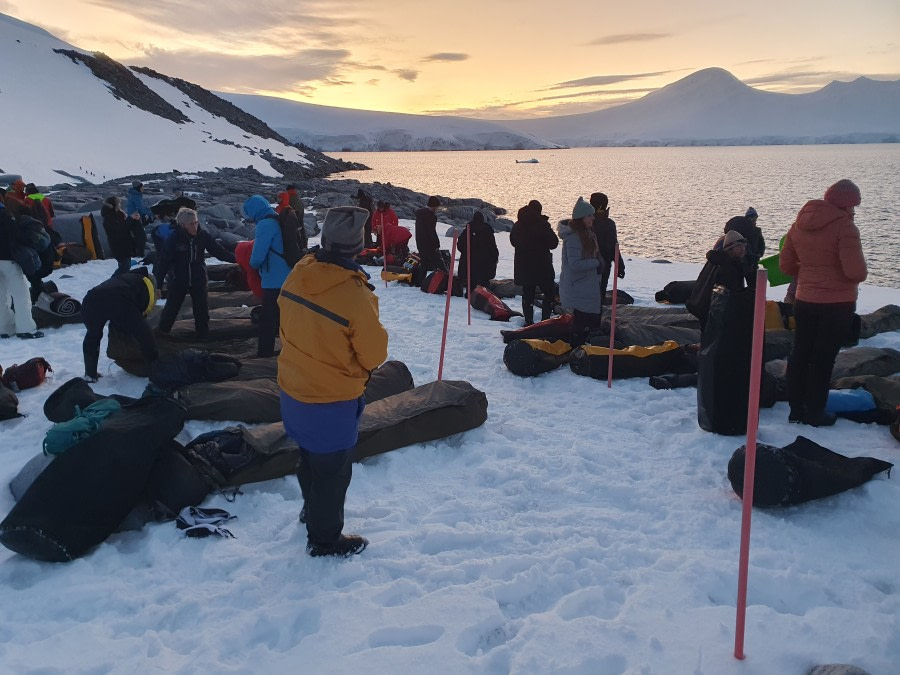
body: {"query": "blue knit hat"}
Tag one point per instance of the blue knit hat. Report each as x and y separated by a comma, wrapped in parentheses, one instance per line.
(582, 209)
(751, 213)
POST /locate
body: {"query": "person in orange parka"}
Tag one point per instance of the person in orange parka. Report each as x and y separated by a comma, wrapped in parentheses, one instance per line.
(822, 251)
(389, 236)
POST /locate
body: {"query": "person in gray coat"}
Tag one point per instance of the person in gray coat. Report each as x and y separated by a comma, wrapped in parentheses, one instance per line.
(578, 287)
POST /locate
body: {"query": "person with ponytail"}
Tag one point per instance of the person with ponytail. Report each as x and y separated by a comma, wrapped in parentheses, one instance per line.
(579, 291)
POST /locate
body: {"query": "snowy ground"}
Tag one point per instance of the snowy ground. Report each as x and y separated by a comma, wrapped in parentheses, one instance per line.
(580, 530)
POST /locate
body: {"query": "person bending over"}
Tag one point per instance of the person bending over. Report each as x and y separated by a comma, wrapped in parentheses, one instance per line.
(124, 301)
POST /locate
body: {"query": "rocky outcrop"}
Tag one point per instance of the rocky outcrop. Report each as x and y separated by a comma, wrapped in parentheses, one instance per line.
(124, 85)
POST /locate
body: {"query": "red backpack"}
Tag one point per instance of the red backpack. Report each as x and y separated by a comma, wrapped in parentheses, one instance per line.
(29, 374)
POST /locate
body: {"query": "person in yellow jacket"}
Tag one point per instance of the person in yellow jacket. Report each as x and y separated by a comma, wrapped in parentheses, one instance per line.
(331, 341)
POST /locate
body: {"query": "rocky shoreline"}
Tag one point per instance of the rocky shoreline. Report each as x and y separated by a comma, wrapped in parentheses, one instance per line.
(220, 195)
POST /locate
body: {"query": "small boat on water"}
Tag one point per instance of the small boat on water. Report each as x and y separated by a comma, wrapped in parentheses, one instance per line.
(527, 161)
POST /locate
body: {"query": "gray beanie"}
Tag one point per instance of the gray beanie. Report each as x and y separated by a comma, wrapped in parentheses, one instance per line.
(343, 230)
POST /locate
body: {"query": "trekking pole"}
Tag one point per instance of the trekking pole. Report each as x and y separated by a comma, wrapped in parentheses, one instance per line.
(612, 317)
(469, 271)
(447, 305)
(759, 310)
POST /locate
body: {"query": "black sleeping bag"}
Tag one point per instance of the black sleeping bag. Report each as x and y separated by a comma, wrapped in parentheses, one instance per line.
(81, 497)
(800, 472)
(723, 365)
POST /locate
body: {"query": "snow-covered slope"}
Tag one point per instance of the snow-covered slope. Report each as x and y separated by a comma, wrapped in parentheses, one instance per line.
(713, 106)
(59, 105)
(333, 129)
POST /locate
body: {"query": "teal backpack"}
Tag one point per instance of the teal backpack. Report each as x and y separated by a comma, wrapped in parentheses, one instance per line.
(62, 436)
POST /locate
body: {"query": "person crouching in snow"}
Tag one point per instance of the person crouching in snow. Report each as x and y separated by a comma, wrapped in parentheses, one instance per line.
(184, 252)
(579, 289)
(389, 236)
(331, 341)
(267, 256)
(122, 301)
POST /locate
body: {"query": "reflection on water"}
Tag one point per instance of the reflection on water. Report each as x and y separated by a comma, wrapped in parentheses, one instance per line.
(669, 202)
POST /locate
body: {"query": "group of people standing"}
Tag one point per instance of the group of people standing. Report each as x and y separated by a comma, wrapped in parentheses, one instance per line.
(589, 247)
(823, 254)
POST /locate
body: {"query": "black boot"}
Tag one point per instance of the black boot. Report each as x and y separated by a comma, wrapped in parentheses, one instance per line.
(344, 547)
(90, 363)
(821, 418)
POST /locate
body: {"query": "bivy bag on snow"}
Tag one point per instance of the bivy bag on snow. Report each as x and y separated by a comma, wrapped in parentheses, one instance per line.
(528, 358)
(485, 301)
(676, 292)
(259, 401)
(27, 375)
(723, 367)
(504, 288)
(801, 472)
(622, 298)
(427, 413)
(633, 333)
(650, 316)
(884, 390)
(84, 494)
(190, 367)
(237, 455)
(436, 282)
(555, 328)
(633, 361)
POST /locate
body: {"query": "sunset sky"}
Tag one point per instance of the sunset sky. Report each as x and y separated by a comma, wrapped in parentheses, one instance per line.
(494, 59)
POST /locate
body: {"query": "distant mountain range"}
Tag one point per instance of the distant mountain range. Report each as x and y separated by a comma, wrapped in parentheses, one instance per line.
(329, 128)
(709, 107)
(71, 116)
(713, 107)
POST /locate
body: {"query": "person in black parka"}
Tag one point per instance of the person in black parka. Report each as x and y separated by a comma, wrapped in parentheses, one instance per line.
(184, 252)
(533, 238)
(365, 202)
(484, 253)
(724, 267)
(427, 241)
(122, 301)
(125, 235)
(604, 229)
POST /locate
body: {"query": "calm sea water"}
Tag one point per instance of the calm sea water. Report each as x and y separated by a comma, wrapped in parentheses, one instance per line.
(669, 203)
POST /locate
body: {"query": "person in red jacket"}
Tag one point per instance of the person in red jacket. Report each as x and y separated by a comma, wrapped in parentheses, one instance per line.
(389, 236)
(822, 251)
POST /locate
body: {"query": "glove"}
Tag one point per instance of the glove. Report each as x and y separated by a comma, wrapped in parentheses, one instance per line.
(621, 273)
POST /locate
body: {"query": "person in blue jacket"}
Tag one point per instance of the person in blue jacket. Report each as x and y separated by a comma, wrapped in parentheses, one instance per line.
(184, 253)
(135, 206)
(267, 257)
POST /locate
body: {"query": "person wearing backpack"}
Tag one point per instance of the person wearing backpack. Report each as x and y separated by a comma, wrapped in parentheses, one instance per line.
(332, 340)
(124, 301)
(268, 256)
(135, 206)
(125, 235)
(184, 253)
(15, 300)
(16, 200)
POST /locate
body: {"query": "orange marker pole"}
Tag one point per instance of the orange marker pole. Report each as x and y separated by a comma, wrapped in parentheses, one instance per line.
(759, 312)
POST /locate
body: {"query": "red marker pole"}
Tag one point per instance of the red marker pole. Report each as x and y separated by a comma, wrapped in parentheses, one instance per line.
(612, 317)
(447, 306)
(469, 271)
(759, 311)
(384, 250)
